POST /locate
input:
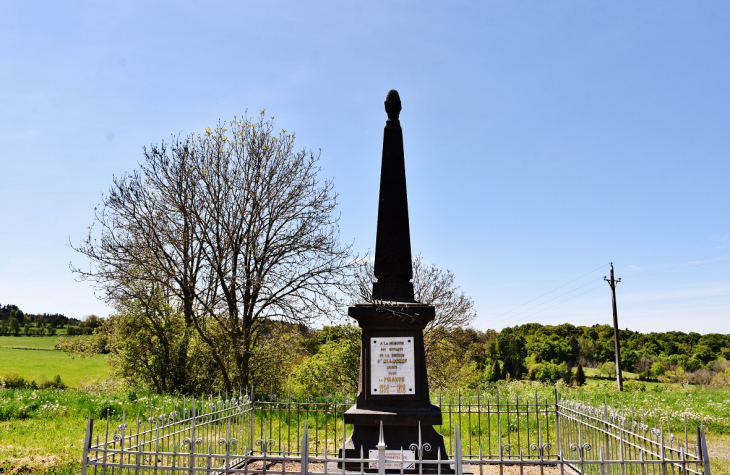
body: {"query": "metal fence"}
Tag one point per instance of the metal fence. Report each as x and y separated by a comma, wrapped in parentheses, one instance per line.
(488, 434)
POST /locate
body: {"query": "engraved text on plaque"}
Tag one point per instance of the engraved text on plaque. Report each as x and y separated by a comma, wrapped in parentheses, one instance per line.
(392, 369)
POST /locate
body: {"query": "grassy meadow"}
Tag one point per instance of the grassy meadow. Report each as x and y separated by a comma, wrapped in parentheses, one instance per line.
(34, 358)
(34, 342)
(42, 430)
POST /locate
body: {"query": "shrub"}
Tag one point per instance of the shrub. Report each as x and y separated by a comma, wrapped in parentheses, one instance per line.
(108, 409)
(14, 381)
(549, 372)
(54, 383)
(333, 369)
(721, 380)
(609, 368)
(657, 369)
(647, 376)
(634, 386)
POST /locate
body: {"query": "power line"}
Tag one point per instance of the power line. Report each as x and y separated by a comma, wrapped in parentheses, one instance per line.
(547, 293)
(648, 272)
(548, 308)
(554, 298)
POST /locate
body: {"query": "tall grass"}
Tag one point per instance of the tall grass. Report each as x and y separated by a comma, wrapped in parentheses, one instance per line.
(43, 430)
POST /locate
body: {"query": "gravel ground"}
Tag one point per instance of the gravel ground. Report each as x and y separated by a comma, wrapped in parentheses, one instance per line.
(487, 469)
(526, 470)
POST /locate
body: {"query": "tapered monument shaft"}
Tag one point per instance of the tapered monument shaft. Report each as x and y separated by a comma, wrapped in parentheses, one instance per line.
(393, 267)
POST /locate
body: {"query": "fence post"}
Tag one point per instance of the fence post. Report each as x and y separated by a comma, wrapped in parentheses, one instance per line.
(381, 451)
(499, 437)
(457, 450)
(121, 441)
(209, 462)
(228, 444)
(191, 457)
(253, 421)
(642, 457)
(87, 444)
(662, 450)
(305, 448)
(559, 447)
(606, 437)
(705, 455)
(621, 450)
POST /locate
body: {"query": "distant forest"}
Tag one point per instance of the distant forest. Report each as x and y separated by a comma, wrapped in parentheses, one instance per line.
(13, 321)
(460, 357)
(532, 349)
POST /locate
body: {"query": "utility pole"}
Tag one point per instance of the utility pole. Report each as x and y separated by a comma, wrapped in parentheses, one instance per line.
(612, 283)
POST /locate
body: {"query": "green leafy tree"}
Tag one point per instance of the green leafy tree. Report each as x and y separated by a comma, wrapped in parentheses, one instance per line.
(334, 369)
(448, 367)
(235, 226)
(693, 364)
(152, 347)
(14, 325)
(609, 369)
(92, 321)
(512, 352)
(276, 355)
(704, 353)
(495, 373)
(18, 315)
(580, 376)
(549, 372)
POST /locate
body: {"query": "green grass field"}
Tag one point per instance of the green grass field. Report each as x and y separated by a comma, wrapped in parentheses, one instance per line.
(42, 430)
(39, 342)
(37, 363)
(593, 372)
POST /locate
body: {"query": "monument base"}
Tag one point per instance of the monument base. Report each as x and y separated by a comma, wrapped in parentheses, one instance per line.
(392, 416)
(400, 431)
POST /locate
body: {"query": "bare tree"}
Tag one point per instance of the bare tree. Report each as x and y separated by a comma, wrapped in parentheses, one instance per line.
(436, 287)
(431, 286)
(236, 224)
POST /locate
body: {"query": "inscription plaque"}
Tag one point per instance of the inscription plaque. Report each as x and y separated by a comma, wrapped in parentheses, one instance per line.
(392, 368)
(394, 459)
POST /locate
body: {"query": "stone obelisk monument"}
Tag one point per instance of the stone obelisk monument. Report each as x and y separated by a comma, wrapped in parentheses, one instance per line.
(393, 382)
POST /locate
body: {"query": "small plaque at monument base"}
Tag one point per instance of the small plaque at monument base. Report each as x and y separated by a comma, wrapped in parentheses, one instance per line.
(395, 459)
(392, 366)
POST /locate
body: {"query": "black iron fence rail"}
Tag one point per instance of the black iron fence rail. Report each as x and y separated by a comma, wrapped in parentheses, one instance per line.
(241, 435)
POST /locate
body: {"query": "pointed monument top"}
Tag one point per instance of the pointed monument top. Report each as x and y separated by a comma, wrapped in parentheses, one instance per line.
(392, 105)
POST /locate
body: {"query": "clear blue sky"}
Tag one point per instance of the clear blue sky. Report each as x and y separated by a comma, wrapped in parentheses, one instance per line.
(542, 139)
